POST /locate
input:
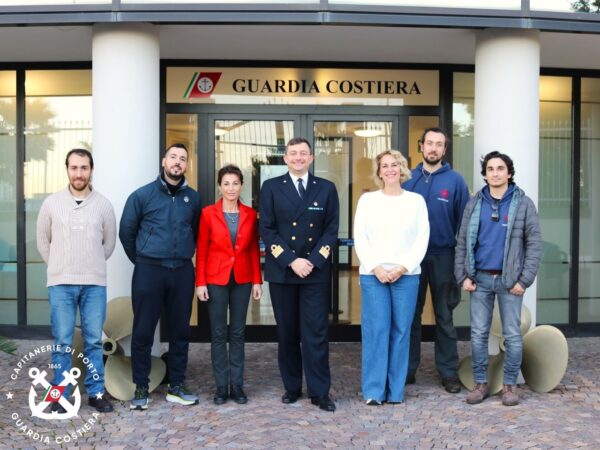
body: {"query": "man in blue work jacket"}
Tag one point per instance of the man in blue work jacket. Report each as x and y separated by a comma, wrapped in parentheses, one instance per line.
(446, 195)
(299, 219)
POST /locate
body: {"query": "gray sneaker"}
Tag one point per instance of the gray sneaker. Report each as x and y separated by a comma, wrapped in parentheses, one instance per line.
(509, 395)
(179, 394)
(140, 398)
(478, 394)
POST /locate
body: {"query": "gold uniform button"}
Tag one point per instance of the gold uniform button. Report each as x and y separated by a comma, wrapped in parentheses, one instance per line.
(294, 224)
(311, 225)
(293, 238)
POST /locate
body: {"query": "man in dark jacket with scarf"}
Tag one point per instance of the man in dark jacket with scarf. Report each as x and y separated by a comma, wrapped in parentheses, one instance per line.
(498, 254)
(158, 232)
(446, 195)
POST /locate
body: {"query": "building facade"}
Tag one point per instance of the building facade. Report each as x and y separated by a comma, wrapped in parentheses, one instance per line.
(235, 80)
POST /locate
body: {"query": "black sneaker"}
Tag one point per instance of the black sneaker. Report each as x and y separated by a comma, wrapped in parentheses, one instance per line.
(220, 395)
(140, 398)
(100, 403)
(237, 395)
(451, 384)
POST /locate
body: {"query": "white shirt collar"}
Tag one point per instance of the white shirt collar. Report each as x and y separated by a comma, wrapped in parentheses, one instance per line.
(304, 180)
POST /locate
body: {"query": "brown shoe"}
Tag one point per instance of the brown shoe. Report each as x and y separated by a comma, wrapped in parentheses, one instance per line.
(509, 395)
(478, 394)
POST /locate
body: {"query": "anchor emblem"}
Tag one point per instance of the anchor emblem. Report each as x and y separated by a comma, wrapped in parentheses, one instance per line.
(39, 378)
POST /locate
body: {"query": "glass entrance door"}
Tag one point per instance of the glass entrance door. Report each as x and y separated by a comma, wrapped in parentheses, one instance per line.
(344, 147)
(344, 150)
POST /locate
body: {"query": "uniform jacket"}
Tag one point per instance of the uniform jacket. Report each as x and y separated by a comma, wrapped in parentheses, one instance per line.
(522, 247)
(158, 227)
(292, 227)
(446, 195)
(216, 255)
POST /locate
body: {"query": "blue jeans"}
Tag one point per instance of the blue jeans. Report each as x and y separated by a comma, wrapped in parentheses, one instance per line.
(387, 313)
(482, 305)
(64, 300)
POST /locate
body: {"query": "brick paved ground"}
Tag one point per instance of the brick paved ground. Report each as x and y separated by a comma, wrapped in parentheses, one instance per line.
(568, 417)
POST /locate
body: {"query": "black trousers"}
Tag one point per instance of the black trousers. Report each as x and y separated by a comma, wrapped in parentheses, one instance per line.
(155, 287)
(228, 369)
(302, 315)
(437, 271)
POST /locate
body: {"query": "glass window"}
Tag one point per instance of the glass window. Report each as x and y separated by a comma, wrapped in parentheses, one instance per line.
(490, 4)
(589, 203)
(256, 147)
(343, 154)
(58, 117)
(552, 5)
(555, 198)
(463, 122)
(8, 198)
(183, 129)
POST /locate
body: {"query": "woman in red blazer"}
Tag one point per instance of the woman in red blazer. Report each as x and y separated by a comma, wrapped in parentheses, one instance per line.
(227, 272)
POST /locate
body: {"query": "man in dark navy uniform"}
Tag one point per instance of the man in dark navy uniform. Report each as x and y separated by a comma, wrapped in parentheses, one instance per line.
(299, 219)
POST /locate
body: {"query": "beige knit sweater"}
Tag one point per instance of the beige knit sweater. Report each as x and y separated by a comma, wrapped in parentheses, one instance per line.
(76, 240)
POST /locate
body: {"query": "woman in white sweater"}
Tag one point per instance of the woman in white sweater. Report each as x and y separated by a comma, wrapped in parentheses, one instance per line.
(391, 233)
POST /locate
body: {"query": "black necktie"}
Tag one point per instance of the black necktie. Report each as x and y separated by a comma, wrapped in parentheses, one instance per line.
(301, 189)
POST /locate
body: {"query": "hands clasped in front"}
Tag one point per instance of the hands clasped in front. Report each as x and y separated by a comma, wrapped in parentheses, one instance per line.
(302, 267)
(389, 275)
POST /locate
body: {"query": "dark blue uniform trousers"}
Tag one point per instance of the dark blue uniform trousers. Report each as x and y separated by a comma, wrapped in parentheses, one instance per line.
(302, 315)
(437, 271)
(155, 287)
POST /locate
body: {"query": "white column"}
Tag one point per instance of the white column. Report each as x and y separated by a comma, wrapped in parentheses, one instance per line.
(507, 72)
(126, 112)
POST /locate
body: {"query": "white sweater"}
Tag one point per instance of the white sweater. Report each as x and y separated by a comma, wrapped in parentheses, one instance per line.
(76, 240)
(391, 230)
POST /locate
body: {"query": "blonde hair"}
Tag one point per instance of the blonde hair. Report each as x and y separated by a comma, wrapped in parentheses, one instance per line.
(405, 174)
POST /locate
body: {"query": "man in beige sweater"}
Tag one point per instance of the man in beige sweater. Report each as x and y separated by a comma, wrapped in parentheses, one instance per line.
(76, 234)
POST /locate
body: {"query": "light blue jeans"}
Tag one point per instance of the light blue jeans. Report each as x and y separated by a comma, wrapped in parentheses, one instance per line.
(387, 314)
(64, 300)
(482, 306)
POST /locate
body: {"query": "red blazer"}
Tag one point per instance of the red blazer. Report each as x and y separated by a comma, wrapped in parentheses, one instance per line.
(215, 254)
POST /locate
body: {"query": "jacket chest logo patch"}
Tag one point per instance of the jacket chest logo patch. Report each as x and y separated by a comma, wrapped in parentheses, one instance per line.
(186, 199)
(445, 193)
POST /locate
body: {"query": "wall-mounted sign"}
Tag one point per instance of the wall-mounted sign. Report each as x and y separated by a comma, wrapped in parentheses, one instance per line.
(293, 86)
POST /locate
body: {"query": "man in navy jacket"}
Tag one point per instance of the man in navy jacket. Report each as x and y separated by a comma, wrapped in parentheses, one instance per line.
(446, 195)
(158, 231)
(299, 219)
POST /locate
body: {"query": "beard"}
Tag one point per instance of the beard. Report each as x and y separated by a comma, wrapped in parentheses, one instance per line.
(84, 185)
(174, 176)
(432, 160)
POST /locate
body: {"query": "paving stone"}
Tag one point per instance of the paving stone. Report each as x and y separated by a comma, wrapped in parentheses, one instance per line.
(430, 418)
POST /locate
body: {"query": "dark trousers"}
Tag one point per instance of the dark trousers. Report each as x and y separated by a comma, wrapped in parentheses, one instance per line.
(235, 298)
(437, 271)
(302, 315)
(155, 287)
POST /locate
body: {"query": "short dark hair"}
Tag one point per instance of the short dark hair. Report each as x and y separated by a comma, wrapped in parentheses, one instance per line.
(507, 160)
(435, 130)
(229, 169)
(297, 141)
(80, 152)
(176, 145)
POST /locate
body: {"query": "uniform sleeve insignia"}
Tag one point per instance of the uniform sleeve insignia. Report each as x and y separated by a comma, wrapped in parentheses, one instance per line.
(276, 250)
(324, 251)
